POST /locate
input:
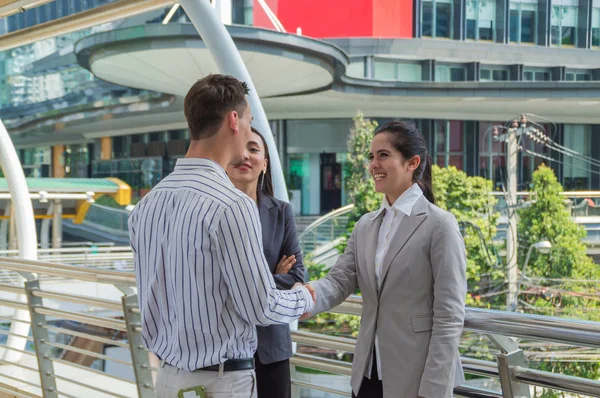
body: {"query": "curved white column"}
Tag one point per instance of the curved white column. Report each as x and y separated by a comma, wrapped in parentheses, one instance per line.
(229, 61)
(26, 233)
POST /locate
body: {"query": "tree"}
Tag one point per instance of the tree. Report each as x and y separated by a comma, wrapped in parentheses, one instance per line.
(469, 200)
(547, 218)
(359, 184)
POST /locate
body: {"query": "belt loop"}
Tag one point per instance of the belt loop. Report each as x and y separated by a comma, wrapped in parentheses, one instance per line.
(221, 369)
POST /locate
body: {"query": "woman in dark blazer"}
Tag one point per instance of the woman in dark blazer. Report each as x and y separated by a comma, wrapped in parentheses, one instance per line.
(282, 251)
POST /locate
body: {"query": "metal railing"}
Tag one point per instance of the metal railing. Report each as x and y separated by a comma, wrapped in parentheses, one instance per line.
(324, 229)
(58, 321)
(502, 328)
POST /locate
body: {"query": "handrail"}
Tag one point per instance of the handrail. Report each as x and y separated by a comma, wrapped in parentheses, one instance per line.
(83, 318)
(562, 382)
(539, 327)
(77, 299)
(325, 218)
(69, 271)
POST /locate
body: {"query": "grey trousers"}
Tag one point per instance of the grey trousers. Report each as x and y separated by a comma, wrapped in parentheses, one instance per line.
(238, 384)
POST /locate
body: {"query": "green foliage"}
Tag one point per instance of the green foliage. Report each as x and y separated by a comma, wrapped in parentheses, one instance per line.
(469, 200)
(547, 218)
(326, 322)
(358, 183)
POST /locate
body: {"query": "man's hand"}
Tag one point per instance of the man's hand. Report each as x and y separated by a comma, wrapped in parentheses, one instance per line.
(312, 291)
(285, 264)
(313, 294)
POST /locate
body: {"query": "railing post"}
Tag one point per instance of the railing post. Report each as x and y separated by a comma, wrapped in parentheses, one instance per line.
(139, 355)
(40, 337)
(510, 357)
(293, 377)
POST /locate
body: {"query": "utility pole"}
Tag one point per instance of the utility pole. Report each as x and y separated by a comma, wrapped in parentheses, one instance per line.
(512, 150)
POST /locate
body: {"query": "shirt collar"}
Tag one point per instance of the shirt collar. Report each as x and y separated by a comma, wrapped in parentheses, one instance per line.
(404, 203)
(204, 164)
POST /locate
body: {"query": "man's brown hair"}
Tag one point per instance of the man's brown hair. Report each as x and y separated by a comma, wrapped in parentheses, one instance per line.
(209, 100)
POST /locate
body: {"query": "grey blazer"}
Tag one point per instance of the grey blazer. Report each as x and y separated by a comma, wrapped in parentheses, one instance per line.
(279, 238)
(419, 311)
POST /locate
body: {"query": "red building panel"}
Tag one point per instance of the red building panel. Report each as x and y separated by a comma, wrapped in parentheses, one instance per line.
(340, 18)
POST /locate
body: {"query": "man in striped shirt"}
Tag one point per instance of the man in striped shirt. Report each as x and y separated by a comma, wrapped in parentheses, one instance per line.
(203, 282)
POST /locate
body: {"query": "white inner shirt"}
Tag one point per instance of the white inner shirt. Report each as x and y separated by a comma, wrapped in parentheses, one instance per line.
(393, 217)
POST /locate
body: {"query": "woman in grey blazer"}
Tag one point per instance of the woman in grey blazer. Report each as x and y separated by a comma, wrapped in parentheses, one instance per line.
(408, 259)
(282, 251)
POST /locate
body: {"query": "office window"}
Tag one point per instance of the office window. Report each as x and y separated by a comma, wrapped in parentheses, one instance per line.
(450, 73)
(578, 76)
(596, 26)
(522, 22)
(536, 75)
(436, 18)
(492, 159)
(576, 171)
(481, 19)
(385, 69)
(448, 143)
(564, 25)
(356, 68)
(242, 12)
(493, 74)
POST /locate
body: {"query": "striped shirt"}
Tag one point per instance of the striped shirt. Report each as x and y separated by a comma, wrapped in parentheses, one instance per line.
(203, 281)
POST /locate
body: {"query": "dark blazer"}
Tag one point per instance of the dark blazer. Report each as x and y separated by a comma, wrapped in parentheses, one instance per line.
(279, 238)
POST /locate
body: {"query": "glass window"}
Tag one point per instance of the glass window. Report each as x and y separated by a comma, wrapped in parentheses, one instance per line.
(448, 143)
(564, 25)
(356, 68)
(53, 11)
(481, 19)
(493, 74)
(397, 70)
(436, 18)
(458, 74)
(499, 75)
(492, 159)
(596, 26)
(242, 12)
(522, 22)
(576, 171)
(536, 75)
(579, 76)
(30, 17)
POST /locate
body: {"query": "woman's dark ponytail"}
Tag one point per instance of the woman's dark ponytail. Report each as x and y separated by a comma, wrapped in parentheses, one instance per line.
(409, 141)
(426, 181)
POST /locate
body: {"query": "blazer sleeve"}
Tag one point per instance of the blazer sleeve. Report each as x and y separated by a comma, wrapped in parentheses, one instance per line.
(340, 282)
(448, 263)
(290, 246)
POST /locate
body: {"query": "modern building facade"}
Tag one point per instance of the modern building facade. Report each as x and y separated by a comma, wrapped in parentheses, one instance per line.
(108, 101)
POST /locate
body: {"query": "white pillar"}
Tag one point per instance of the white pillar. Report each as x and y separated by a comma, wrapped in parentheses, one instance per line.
(22, 212)
(229, 61)
(45, 228)
(57, 225)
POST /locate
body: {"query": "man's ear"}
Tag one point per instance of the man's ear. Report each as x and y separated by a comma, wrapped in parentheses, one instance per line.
(234, 121)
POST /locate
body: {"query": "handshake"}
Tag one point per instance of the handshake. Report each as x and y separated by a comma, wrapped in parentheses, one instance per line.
(313, 294)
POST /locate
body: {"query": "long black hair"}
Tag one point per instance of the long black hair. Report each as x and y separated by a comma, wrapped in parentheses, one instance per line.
(265, 181)
(409, 141)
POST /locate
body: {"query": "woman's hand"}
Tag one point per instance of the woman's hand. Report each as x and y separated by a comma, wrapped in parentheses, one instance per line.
(285, 264)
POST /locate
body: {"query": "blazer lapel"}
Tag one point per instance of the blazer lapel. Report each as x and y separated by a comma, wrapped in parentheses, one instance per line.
(406, 229)
(372, 233)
